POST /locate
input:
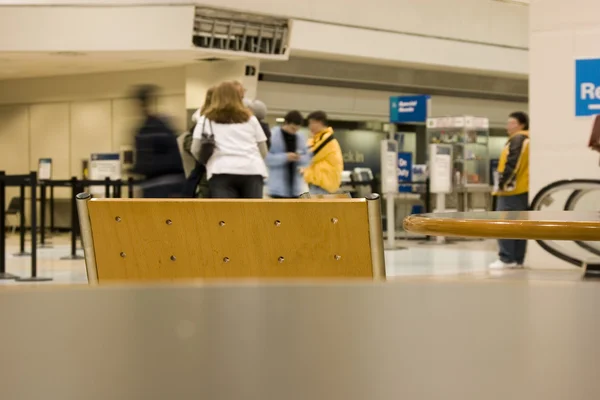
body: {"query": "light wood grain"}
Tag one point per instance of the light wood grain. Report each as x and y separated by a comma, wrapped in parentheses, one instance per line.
(252, 241)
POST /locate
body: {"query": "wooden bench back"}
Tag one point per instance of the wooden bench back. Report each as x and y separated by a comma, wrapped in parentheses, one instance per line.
(157, 240)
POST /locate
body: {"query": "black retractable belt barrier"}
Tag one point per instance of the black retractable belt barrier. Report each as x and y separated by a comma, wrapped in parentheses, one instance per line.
(33, 277)
(130, 188)
(427, 195)
(22, 252)
(43, 244)
(74, 222)
(107, 187)
(3, 274)
(52, 228)
(117, 189)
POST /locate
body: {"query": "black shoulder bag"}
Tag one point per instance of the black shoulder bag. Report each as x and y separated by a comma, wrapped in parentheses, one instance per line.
(207, 143)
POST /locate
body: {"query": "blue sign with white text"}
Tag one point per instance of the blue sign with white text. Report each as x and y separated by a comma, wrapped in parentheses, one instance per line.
(407, 109)
(587, 87)
(405, 171)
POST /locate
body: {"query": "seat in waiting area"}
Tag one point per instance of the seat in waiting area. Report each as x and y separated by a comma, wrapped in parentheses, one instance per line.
(168, 239)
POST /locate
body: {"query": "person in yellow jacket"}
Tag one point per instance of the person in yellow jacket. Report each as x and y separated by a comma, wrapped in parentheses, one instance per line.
(512, 186)
(324, 175)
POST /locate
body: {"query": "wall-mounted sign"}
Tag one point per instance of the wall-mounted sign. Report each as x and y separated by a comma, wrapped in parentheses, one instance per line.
(587, 87)
(440, 166)
(409, 109)
(405, 163)
(458, 122)
(45, 169)
(102, 166)
(389, 166)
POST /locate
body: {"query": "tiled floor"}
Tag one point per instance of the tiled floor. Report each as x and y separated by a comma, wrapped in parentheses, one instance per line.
(462, 260)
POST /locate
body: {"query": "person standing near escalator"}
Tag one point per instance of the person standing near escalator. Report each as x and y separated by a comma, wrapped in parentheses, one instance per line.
(512, 186)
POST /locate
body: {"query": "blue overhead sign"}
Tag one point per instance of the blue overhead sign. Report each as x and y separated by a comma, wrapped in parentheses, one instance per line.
(407, 109)
(587, 87)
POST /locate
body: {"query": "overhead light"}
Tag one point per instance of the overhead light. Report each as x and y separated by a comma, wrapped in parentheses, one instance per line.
(280, 120)
(68, 53)
(521, 2)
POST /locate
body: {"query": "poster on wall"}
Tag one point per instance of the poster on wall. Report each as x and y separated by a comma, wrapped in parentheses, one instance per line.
(45, 169)
(102, 166)
(405, 163)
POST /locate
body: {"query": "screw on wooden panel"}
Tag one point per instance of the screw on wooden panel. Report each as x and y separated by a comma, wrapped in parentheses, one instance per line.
(173, 258)
(226, 260)
(281, 260)
(337, 258)
(334, 220)
(278, 223)
(123, 254)
(169, 222)
(118, 219)
(222, 223)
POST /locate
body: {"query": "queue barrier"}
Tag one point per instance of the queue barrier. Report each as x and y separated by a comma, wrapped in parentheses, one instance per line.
(30, 181)
(173, 239)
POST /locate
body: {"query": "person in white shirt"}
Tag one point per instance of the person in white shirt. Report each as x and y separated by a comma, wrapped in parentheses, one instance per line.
(236, 169)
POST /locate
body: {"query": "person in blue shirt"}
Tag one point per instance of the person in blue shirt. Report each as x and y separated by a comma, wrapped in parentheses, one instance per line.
(287, 157)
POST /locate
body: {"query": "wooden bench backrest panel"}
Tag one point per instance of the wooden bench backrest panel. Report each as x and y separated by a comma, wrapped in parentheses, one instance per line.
(133, 240)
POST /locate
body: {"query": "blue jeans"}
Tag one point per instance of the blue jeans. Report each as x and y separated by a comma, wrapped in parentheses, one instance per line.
(312, 189)
(512, 251)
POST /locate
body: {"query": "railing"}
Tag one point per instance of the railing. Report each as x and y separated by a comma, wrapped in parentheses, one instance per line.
(579, 188)
(35, 186)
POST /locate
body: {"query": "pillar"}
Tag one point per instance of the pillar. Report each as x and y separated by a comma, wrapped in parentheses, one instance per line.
(560, 33)
(200, 77)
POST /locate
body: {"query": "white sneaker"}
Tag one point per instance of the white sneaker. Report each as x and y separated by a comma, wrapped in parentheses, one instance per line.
(499, 264)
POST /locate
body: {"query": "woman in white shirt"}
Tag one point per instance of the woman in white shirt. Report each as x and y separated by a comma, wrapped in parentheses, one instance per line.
(236, 169)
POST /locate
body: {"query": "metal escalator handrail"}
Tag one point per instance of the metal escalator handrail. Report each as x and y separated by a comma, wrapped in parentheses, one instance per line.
(570, 206)
(538, 201)
(576, 184)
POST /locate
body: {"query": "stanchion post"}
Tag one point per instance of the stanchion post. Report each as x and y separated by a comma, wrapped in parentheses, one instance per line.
(427, 195)
(106, 187)
(52, 228)
(43, 216)
(22, 252)
(74, 222)
(3, 274)
(33, 218)
(130, 187)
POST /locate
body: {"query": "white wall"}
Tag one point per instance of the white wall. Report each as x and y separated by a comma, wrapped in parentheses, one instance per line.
(68, 118)
(559, 150)
(354, 104)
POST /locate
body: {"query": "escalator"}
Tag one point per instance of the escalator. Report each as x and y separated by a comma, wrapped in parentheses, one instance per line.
(573, 193)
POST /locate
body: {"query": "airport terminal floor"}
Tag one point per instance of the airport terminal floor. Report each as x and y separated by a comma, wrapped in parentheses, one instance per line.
(462, 260)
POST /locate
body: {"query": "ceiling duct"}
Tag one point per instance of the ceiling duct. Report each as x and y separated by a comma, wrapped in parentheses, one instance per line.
(240, 32)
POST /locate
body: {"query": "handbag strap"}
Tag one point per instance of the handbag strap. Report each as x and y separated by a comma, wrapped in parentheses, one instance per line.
(212, 132)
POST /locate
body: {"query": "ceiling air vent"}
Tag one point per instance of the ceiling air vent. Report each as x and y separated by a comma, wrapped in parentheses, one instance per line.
(240, 32)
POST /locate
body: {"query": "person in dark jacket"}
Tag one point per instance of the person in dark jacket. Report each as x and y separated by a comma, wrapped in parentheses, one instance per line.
(157, 156)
